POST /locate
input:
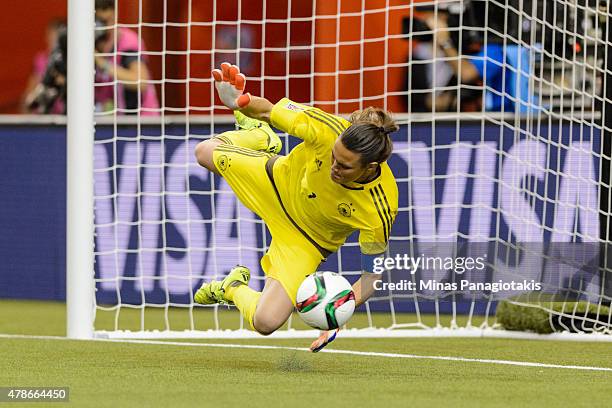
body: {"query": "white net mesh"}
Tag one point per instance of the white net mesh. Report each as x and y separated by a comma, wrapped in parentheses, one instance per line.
(502, 144)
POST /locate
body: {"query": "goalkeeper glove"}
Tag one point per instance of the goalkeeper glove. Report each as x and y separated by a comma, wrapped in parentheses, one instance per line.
(324, 339)
(230, 85)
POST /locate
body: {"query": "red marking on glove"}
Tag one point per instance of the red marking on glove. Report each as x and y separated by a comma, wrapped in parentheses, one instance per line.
(243, 100)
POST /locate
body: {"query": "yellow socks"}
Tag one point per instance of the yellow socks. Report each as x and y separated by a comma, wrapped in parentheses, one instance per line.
(245, 299)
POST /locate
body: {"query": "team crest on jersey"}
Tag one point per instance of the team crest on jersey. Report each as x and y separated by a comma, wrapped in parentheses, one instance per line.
(222, 162)
(345, 210)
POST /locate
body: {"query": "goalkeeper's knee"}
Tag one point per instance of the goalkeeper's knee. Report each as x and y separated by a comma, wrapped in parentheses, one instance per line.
(266, 325)
(204, 153)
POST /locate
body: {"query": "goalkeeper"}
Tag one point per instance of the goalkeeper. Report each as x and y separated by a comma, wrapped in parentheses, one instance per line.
(335, 182)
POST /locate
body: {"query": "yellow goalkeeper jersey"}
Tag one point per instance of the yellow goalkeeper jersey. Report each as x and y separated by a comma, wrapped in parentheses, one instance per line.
(327, 211)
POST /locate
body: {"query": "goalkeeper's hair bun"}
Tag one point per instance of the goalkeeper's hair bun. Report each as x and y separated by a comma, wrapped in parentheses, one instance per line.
(369, 135)
(376, 116)
(385, 130)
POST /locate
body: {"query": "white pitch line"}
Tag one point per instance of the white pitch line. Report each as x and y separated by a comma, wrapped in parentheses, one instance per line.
(327, 351)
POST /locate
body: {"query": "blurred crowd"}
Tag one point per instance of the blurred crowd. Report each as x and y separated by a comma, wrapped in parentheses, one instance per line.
(445, 70)
(121, 79)
(457, 65)
(463, 57)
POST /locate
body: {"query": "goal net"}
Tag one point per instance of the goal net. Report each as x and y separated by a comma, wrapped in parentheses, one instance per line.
(502, 158)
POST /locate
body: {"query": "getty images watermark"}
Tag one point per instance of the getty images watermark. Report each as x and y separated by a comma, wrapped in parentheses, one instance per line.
(446, 274)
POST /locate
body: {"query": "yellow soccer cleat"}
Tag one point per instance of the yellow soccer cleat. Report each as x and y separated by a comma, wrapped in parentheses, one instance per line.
(239, 275)
(214, 292)
(208, 294)
(273, 144)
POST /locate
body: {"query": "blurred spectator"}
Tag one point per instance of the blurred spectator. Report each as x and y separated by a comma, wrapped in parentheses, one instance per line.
(39, 68)
(126, 65)
(497, 72)
(436, 65)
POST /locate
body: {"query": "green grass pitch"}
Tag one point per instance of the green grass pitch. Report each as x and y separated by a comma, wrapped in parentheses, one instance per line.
(102, 374)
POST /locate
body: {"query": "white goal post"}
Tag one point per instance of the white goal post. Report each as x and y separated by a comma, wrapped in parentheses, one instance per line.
(79, 171)
(502, 156)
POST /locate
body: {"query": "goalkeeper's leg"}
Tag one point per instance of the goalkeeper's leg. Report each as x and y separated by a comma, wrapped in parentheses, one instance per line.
(249, 134)
(252, 134)
(288, 261)
(265, 311)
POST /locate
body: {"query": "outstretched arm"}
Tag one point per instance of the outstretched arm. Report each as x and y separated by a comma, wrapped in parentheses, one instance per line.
(305, 122)
(258, 108)
(364, 287)
(230, 84)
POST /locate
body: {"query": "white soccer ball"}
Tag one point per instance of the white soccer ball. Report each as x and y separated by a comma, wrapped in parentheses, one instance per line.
(325, 300)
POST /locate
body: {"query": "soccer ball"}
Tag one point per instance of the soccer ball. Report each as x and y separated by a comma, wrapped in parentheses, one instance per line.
(325, 301)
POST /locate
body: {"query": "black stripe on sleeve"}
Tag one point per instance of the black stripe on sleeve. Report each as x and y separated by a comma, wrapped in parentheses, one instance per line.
(327, 122)
(382, 218)
(332, 118)
(385, 203)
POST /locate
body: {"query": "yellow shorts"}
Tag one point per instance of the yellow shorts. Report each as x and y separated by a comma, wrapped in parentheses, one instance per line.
(291, 256)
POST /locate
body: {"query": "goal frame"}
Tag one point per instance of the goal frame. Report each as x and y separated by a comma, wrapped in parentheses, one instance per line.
(79, 171)
(80, 289)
